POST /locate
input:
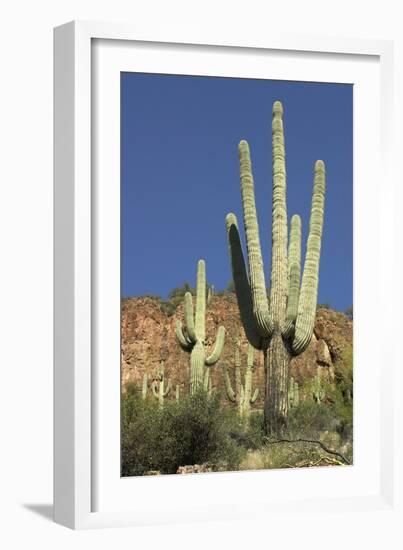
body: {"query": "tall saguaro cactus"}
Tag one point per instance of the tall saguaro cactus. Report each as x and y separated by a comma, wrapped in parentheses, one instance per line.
(192, 336)
(282, 326)
(242, 394)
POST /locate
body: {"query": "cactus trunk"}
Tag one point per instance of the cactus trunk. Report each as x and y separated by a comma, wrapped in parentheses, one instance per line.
(197, 358)
(277, 363)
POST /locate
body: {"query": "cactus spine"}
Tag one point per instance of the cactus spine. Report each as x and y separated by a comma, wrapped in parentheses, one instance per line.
(159, 391)
(242, 395)
(145, 386)
(192, 336)
(282, 326)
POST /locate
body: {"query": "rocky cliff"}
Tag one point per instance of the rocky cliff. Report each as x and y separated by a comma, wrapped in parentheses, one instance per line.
(147, 334)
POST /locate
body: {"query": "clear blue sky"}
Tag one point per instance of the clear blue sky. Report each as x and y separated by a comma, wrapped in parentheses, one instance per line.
(180, 175)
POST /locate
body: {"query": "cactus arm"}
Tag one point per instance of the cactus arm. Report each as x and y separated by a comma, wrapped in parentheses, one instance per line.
(294, 274)
(310, 278)
(251, 354)
(279, 269)
(201, 301)
(291, 396)
(210, 292)
(206, 379)
(167, 390)
(242, 403)
(189, 317)
(296, 394)
(256, 272)
(228, 386)
(210, 389)
(219, 344)
(181, 337)
(248, 377)
(237, 365)
(155, 391)
(254, 396)
(145, 385)
(241, 282)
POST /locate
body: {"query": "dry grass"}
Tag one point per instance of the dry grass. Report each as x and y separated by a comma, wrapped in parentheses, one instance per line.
(288, 455)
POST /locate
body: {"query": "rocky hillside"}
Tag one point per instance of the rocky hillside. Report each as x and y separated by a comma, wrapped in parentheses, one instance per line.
(148, 335)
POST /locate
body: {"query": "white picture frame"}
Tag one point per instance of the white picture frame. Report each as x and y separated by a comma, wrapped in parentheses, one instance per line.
(86, 491)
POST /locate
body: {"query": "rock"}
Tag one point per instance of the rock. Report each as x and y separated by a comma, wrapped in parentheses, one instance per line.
(148, 336)
(194, 469)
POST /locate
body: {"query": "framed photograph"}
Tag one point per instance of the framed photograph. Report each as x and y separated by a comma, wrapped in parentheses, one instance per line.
(216, 354)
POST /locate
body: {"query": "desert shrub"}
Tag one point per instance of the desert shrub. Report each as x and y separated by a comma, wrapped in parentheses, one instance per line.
(155, 297)
(308, 419)
(194, 431)
(342, 410)
(341, 394)
(175, 297)
(140, 427)
(168, 307)
(325, 305)
(252, 435)
(349, 312)
(230, 286)
(311, 420)
(201, 429)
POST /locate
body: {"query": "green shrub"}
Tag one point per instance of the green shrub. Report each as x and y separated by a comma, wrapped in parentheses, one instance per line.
(194, 431)
(308, 419)
(325, 305)
(168, 307)
(251, 436)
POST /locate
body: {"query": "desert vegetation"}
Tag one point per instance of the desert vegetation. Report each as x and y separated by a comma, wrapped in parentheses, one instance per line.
(202, 432)
(301, 421)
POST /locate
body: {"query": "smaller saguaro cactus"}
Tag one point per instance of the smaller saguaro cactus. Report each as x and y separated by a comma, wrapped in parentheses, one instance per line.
(192, 336)
(159, 391)
(207, 383)
(210, 294)
(318, 389)
(293, 393)
(145, 386)
(242, 394)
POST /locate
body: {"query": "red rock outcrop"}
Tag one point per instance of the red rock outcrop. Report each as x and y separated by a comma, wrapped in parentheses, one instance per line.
(147, 336)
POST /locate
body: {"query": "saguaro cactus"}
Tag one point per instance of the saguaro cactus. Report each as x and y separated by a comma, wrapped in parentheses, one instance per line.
(242, 394)
(318, 389)
(207, 383)
(159, 391)
(293, 393)
(145, 386)
(192, 336)
(281, 326)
